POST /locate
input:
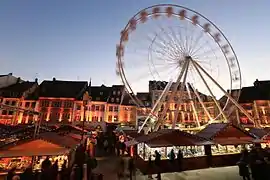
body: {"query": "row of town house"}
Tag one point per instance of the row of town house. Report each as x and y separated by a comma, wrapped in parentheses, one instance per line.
(62, 101)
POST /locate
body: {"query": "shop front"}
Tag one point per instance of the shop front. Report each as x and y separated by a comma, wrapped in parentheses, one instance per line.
(34, 151)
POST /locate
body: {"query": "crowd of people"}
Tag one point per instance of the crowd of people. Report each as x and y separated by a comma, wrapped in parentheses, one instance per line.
(255, 163)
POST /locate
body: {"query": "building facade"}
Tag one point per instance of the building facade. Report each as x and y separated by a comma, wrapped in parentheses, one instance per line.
(62, 102)
(20, 94)
(189, 114)
(256, 101)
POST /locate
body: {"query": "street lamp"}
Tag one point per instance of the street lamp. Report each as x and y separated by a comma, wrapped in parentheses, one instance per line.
(86, 98)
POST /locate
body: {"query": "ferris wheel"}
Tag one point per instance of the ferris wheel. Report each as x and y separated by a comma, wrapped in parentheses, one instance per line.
(186, 51)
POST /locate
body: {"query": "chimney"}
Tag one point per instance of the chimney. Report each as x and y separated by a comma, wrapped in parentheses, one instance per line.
(36, 80)
(18, 80)
(10, 74)
(54, 79)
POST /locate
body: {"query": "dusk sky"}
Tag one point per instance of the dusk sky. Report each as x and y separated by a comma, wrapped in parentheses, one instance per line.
(76, 40)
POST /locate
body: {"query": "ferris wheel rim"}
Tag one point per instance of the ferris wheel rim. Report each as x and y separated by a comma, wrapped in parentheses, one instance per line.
(233, 54)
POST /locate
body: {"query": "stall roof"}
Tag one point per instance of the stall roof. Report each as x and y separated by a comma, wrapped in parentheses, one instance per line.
(50, 137)
(258, 132)
(35, 147)
(132, 133)
(225, 133)
(168, 137)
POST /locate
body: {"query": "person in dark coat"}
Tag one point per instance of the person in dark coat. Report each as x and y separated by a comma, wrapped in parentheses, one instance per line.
(172, 156)
(11, 173)
(27, 174)
(158, 163)
(54, 170)
(180, 160)
(131, 167)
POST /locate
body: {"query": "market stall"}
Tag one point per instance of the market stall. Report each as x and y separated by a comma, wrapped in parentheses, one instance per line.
(165, 140)
(34, 151)
(228, 142)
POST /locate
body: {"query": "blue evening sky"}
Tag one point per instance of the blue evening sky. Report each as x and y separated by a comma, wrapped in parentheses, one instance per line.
(73, 40)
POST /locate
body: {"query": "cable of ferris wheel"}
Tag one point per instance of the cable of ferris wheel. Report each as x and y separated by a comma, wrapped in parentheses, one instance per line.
(172, 95)
(208, 88)
(201, 102)
(193, 106)
(226, 94)
(182, 85)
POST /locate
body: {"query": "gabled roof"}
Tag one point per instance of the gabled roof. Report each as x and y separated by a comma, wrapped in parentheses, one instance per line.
(65, 89)
(100, 93)
(169, 137)
(16, 90)
(226, 133)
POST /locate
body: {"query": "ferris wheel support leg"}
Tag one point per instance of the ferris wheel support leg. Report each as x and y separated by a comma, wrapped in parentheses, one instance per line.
(193, 106)
(157, 105)
(176, 114)
(226, 93)
(172, 95)
(196, 65)
(201, 102)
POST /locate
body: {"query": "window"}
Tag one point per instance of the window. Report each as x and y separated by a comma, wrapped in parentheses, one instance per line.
(114, 92)
(56, 104)
(10, 112)
(100, 118)
(67, 104)
(101, 93)
(109, 118)
(97, 98)
(97, 108)
(116, 109)
(112, 100)
(117, 100)
(33, 105)
(45, 103)
(78, 107)
(7, 102)
(118, 93)
(110, 108)
(115, 118)
(93, 107)
(13, 103)
(102, 108)
(4, 112)
(27, 104)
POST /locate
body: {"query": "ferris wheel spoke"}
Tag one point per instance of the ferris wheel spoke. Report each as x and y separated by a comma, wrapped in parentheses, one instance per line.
(191, 35)
(192, 105)
(199, 48)
(210, 91)
(196, 41)
(212, 51)
(178, 43)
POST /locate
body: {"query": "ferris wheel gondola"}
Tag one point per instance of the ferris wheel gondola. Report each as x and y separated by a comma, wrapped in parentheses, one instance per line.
(173, 43)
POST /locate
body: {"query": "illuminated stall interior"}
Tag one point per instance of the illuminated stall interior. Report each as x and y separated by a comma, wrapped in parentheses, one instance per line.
(165, 140)
(49, 144)
(226, 138)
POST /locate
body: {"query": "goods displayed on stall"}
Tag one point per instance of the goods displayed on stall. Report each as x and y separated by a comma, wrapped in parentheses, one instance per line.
(38, 161)
(19, 162)
(144, 151)
(229, 149)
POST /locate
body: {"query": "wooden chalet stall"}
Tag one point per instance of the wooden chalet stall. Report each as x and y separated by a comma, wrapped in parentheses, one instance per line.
(228, 142)
(163, 141)
(34, 151)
